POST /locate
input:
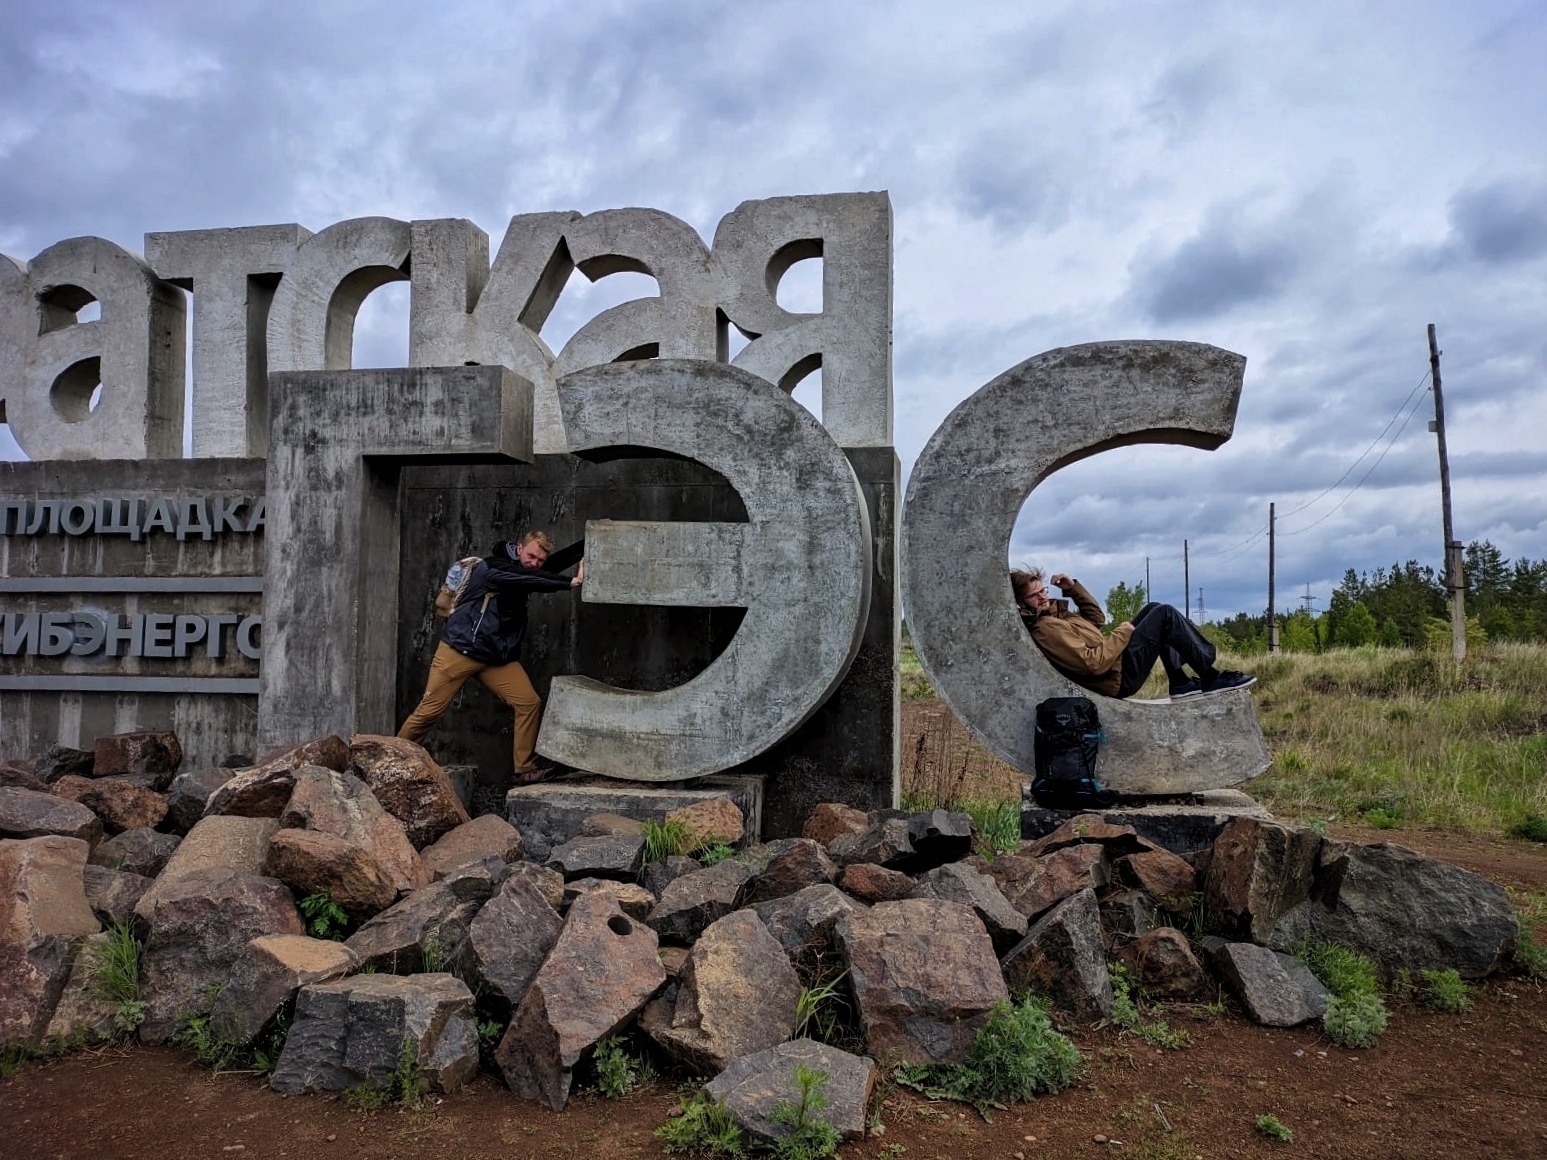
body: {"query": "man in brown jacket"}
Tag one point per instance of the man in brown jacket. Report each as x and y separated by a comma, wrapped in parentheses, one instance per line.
(1119, 664)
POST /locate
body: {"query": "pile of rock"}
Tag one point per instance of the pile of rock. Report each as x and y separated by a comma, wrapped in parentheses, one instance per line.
(453, 922)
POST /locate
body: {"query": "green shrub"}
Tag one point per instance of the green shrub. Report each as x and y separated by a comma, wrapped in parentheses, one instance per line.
(1017, 1055)
(811, 1137)
(114, 968)
(324, 917)
(1356, 1021)
(814, 1014)
(998, 823)
(404, 1087)
(714, 853)
(1342, 971)
(1445, 992)
(195, 1034)
(618, 1072)
(703, 1126)
(666, 839)
(1274, 1129)
(1530, 958)
(1532, 827)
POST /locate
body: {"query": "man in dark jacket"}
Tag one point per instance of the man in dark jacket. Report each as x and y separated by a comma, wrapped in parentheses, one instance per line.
(1119, 664)
(483, 638)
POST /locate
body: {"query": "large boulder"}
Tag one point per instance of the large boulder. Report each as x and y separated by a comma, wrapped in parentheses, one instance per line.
(44, 917)
(507, 942)
(619, 856)
(752, 1088)
(25, 813)
(409, 785)
(199, 925)
(424, 929)
(330, 751)
(938, 837)
(699, 898)
(1162, 875)
(833, 819)
(924, 977)
(632, 898)
(120, 803)
(885, 841)
(803, 922)
(955, 882)
(793, 864)
(1034, 884)
(328, 802)
(139, 851)
(1164, 965)
(549, 883)
(83, 1011)
(267, 975)
(715, 819)
(313, 862)
(17, 775)
(357, 1030)
(869, 882)
(488, 836)
(1404, 910)
(152, 755)
(1258, 871)
(601, 972)
(1275, 989)
(736, 995)
(240, 844)
(1063, 957)
(61, 760)
(113, 894)
(190, 792)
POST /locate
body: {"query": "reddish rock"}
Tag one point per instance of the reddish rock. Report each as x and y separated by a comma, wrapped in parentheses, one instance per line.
(886, 841)
(58, 760)
(871, 883)
(1164, 965)
(409, 785)
(1159, 873)
(954, 882)
(1035, 884)
(605, 825)
(240, 844)
(44, 917)
(329, 751)
(25, 813)
(122, 805)
(924, 977)
(314, 862)
(699, 898)
(633, 899)
(796, 864)
(486, 837)
(1118, 840)
(716, 819)
(1064, 958)
(833, 819)
(155, 755)
(19, 776)
(737, 996)
(1258, 872)
(335, 803)
(601, 972)
(266, 976)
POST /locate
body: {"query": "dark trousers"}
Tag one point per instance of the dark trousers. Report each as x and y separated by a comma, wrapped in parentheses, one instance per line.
(1162, 633)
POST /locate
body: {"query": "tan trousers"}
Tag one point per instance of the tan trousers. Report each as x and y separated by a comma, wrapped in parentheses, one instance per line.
(449, 672)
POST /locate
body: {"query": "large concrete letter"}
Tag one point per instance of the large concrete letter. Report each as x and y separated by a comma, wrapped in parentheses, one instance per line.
(15, 338)
(336, 443)
(233, 274)
(965, 492)
(465, 312)
(680, 323)
(800, 565)
(312, 321)
(851, 339)
(51, 365)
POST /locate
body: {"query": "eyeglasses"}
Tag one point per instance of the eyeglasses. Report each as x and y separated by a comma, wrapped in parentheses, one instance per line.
(1036, 592)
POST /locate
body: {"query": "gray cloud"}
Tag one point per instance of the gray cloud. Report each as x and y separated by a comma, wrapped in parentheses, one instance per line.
(1502, 222)
(1221, 268)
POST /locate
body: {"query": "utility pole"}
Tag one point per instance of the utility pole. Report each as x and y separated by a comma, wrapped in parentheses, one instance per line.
(1272, 616)
(1308, 599)
(1453, 580)
(1186, 583)
(1146, 579)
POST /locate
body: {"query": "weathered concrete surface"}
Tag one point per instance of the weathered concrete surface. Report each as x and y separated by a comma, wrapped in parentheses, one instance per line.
(803, 557)
(964, 495)
(851, 337)
(50, 363)
(336, 443)
(1183, 825)
(233, 274)
(551, 813)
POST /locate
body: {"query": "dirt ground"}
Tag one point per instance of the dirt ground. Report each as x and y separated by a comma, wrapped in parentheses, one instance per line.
(1442, 1086)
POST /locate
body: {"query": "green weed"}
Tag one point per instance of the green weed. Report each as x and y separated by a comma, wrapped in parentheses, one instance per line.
(714, 853)
(1341, 971)
(1532, 827)
(1273, 1128)
(1444, 991)
(324, 917)
(1357, 1020)
(1017, 1055)
(618, 1072)
(998, 823)
(702, 1126)
(196, 1035)
(115, 970)
(666, 839)
(1128, 1016)
(811, 1137)
(404, 1087)
(814, 1014)
(1530, 958)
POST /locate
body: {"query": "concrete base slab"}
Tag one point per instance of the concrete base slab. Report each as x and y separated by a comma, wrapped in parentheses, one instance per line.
(549, 814)
(1182, 823)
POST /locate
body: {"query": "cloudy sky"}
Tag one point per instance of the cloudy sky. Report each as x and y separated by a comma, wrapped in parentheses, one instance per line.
(1307, 184)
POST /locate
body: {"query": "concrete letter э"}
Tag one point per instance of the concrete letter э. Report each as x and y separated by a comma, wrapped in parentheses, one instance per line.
(800, 566)
(963, 497)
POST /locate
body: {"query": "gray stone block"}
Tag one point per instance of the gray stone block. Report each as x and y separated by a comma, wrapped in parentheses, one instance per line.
(1182, 825)
(1277, 990)
(964, 496)
(754, 1086)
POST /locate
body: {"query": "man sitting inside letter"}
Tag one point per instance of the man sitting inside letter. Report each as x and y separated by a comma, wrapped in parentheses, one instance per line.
(483, 637)
(1117, 665)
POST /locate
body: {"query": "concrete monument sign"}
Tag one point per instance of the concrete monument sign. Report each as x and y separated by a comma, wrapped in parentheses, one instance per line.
(800, 565)
(963, 497)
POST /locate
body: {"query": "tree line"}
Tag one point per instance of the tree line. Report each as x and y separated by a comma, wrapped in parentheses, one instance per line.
(1404, 605)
